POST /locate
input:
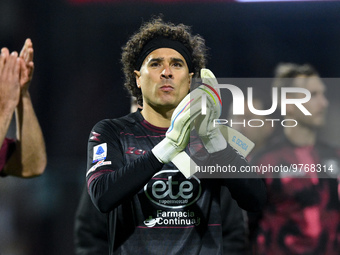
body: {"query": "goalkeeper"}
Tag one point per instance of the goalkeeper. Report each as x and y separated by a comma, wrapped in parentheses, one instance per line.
(152, 207)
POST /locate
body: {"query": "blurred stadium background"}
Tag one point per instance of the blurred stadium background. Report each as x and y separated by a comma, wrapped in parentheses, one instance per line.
(78, 81)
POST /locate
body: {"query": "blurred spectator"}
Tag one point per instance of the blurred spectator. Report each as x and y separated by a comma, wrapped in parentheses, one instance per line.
(302, 215)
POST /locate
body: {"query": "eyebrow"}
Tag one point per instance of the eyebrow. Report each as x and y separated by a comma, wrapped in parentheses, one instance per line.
(162, 59)
(177, 60)
(156, 60)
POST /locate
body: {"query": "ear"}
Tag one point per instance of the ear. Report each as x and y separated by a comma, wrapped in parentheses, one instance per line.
(137, 75)
(190, 79)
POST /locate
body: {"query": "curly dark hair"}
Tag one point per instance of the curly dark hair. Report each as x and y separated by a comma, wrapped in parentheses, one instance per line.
(156, 28)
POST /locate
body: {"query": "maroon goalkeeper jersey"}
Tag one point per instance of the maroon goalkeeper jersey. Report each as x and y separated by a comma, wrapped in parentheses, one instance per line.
(151, 207)
(302, 216)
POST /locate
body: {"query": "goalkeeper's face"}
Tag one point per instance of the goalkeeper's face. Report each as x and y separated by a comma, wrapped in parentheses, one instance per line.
(164, 79)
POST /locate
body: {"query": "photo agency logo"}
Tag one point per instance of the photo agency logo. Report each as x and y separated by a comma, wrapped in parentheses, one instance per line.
(281, 99)
(291, 103)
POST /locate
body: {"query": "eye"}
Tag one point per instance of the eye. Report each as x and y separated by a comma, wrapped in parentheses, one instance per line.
(178, 64)
(154, 64)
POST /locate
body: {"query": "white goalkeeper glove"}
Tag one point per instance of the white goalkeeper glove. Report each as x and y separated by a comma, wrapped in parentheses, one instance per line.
(178, 135)
(210, 135)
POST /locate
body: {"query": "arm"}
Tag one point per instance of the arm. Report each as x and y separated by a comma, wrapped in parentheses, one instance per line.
(110, 180)
(249, 191)
(9, 90)
(226, 166)
(29, 158)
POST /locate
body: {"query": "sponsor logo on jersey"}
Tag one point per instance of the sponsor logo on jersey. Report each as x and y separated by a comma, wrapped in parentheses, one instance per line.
(99, 152)
(170, 189)
(173, 218)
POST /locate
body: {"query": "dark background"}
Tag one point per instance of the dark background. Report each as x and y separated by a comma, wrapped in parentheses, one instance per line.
(78, 81)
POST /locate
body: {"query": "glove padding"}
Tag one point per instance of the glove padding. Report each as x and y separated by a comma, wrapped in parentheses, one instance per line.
(178, 135)
(210, 135)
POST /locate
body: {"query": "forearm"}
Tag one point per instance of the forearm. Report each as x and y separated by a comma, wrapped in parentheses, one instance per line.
(9, 89)
(30, 158)
(110, 189)
(248, 191)
(5, 120)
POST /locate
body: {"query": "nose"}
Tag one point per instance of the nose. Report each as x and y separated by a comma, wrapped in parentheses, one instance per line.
(166, 73)
(324, 101)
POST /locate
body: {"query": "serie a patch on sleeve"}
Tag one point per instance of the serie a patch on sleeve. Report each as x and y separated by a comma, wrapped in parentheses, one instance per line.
(99, 152)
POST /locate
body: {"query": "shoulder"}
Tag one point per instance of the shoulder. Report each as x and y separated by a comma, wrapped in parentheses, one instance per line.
(117, 124)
